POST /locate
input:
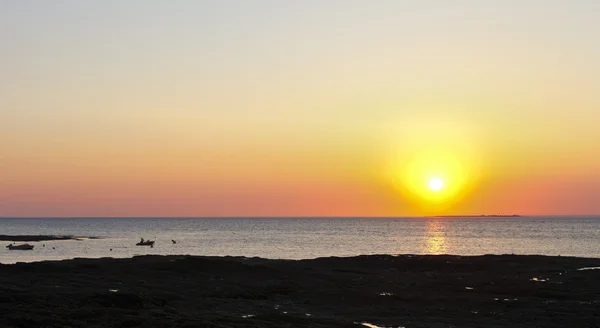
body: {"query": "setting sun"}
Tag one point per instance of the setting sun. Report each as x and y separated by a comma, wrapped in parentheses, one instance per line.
(435, 179)
(436, 184)
(434, 165)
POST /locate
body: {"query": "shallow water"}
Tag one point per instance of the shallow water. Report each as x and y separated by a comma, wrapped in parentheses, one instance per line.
(300, 238)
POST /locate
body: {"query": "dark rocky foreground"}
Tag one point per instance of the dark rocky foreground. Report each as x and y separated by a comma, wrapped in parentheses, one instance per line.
(390, 291)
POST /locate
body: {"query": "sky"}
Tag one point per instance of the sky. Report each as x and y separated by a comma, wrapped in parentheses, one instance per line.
(299, 108)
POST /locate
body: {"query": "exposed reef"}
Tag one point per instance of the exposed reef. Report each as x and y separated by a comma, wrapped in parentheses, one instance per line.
(40, 238)
(381, 290)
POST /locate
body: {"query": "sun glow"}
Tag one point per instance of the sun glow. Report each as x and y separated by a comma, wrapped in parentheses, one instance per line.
(436, 184)
(435, 177)
(434, 180)
(434, 164)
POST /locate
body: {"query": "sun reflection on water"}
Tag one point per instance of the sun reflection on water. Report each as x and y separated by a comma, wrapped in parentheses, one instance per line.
(435, 238)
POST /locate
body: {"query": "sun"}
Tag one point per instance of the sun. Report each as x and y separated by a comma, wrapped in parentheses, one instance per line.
(434, 164)
(435, 180)
(436, 184)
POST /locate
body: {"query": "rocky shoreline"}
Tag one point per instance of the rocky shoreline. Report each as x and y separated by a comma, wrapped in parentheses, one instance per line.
(379, 290)
(40, 238)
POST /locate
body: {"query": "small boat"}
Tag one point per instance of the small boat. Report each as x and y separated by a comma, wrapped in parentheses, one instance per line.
(22, 247)
(145, 243)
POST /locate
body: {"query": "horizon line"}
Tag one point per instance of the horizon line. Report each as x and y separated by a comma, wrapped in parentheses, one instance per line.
(307, 217)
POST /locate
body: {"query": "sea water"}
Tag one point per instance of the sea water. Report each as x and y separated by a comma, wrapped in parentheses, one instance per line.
(304, 238)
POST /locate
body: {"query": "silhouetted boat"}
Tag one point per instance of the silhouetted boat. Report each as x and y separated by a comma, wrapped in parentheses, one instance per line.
(145, 243)
(22, 247)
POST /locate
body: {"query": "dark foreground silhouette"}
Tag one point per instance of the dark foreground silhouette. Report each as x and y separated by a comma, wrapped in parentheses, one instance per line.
(387, 291)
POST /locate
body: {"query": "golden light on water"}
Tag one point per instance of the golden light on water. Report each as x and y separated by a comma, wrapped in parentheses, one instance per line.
(435, 239)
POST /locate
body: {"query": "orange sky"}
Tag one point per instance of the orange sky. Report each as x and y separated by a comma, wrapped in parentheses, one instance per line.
(344, 108)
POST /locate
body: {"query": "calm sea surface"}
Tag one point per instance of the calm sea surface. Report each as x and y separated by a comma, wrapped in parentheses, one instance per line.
(301, 238)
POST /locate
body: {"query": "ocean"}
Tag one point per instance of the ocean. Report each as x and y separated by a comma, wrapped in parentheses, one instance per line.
(305, 238)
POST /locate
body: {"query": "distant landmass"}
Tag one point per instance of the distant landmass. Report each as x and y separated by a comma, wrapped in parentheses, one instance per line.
(477, 216)
(40, 238)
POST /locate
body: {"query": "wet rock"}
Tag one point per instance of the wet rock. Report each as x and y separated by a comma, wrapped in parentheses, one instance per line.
(388, 291)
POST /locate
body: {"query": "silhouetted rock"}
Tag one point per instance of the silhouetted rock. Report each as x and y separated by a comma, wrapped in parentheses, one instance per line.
(390, 291)
(39, 237)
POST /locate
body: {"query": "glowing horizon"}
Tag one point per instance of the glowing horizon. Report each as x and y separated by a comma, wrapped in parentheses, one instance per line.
(341, 108)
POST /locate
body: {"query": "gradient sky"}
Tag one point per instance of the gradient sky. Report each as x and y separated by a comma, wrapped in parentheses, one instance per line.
(227, 108)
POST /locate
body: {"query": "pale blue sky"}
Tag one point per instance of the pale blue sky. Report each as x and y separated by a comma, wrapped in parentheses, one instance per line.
(148, 45)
